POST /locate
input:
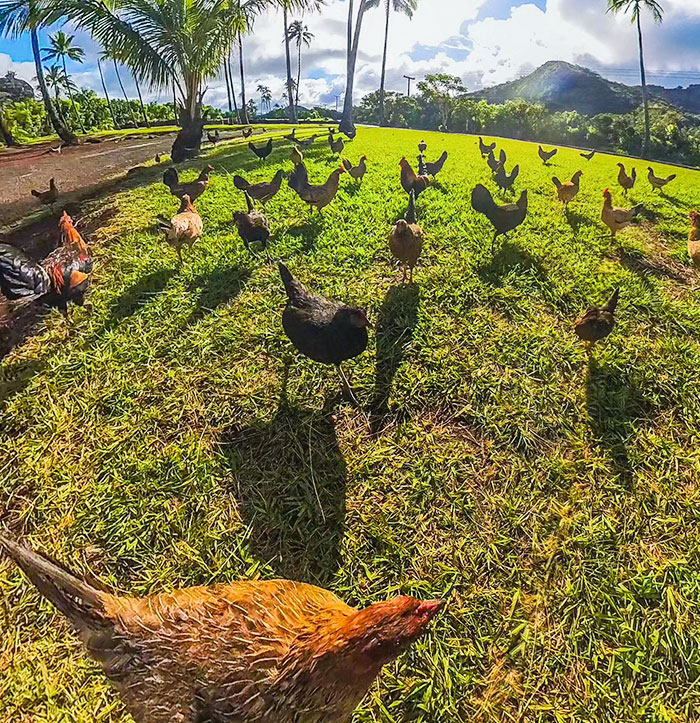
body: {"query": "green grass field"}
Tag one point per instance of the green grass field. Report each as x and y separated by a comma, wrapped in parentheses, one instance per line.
(171, 437)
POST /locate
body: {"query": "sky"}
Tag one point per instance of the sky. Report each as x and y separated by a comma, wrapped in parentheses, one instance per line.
(484, 42)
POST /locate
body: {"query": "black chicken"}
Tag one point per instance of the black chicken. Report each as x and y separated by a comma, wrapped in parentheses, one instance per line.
(262, 152)
(485, 148)
(597, 322)
(505, 180)
(503, 218)
(62, 277)
(252, 226)
(323, 330)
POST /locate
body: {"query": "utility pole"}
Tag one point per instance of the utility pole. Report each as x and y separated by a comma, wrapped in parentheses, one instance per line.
(409, 79)
(337, 98)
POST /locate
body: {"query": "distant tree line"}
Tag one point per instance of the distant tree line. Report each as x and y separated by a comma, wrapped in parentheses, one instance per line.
(441, 103)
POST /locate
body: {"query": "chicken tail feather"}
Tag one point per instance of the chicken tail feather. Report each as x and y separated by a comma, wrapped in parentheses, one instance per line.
(293, 288)
(482, 200)
(611, 304)
(556, 181)
(240, 183)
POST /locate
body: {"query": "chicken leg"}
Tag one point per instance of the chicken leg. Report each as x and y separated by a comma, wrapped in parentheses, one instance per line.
(347, 390)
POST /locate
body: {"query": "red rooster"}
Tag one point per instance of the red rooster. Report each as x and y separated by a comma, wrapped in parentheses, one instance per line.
(62, 277)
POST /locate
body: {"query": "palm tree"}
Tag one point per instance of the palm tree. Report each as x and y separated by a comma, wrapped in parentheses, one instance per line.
(299, 33)
(353, 42)
(144, 115)
(265, 96)
(109, 55)
(56, 79)
(21, 16)
(61, 47)
(244, 105)
(228, 94)
(657, 12)
(141, 35)
(407, 7)
(104, 88)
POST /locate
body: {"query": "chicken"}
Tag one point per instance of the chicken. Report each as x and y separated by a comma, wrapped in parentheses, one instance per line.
(567, 191)
(337, 146)
(657, 183)
(184, 228)
(587, 156)
(410, 181)
(356, 172)
(315, 196)
(157, 158)
(422, 171)
(253, 227)
(503, 180)
(617, 218)
(597, 322)
(432, 168)
(406, 240)
(503, 218)
(546, 156)
(193, 189)
(61, 278)
(493, 164)
(296, 156)
(307, 142)
(264, 651)
(247, 132)
(422, 147)
(291, 136)
(325, 331)
(694, 239)
(214, 137)
(262, 152)
(627, 182)
(262, 192)
(486, 149)
(48, 197)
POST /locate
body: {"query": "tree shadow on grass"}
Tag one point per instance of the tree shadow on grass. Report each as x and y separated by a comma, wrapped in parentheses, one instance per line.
(216, 288)
(137, 296)
(289, 477)
(615, 405)
(659, 267)
(397, 321)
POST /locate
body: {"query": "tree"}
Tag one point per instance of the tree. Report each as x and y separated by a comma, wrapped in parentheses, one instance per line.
(144, 115)
(61, 47)
(108, 55)
(20, 16)
(164, 43)
(299, 33)
(354, 28)
(265, 96)
(244, 105)
(441, 90)
(104, 88)
(657, 12)
(228, 94)
(407, 7)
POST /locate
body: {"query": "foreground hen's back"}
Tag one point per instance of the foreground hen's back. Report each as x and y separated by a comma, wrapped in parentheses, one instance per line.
(597, 322)
(694, 239)
(323, 330)
(264, 652)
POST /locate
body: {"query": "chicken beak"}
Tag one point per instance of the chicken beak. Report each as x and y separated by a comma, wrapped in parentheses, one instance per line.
(428, 609)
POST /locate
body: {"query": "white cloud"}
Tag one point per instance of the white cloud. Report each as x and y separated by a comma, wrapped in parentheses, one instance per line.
(25, 71)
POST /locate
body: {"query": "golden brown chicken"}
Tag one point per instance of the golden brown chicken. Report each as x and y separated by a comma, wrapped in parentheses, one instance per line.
(48, 197)
(406, 240)
(316, 196)
(626, 181)
(567, 191)
(263, 191)
(617, 218)
(694, 239)
(271, 651)
(356, 172)
(657, 183)
(410, 181)
(184, 228)
(597, 322)
(546, 156)
(296, 156)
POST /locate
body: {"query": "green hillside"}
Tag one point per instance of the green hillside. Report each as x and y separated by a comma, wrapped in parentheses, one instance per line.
(172, 437)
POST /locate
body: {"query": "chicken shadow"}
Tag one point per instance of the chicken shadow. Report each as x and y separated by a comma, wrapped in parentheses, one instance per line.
(307, 230)
(216, 288)
(659, 268)
(137, 296)
(615, 406)
(507, 258)
(289, 477)
(576, 220)
(396, 323)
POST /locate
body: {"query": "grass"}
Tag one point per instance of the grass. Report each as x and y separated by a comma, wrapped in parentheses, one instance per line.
(171, 437)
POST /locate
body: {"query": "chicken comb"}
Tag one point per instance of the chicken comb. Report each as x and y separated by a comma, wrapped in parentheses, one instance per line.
(69, 234)
(606, 191)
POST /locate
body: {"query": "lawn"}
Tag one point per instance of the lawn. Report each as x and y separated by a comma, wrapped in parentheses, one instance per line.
(172, 437)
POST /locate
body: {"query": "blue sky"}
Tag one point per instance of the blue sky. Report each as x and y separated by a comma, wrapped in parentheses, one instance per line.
(482, 41)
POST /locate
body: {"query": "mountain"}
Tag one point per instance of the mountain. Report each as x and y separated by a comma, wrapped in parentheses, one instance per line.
(562, 86)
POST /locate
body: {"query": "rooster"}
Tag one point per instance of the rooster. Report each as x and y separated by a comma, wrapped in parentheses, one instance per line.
(567, 191)
(315, 196)
(503, 218)
(694, 239)
(587, 156)
(546, 156)
(253, 227)
(337, 146)
(184, 228)
(626, 181)
(410, 181)
(48, 197)
(214, 137)
(503, 180)
(617, 218)
(406, 240)
(262, 192)
(357, 172)
(247, 132)
(270, 651)
(486, 149)
(657, 182)
(193, 189)
(61, 278)
(597, 322)
(492, 163)
(262, 152)
(432, 168)
(422, 147)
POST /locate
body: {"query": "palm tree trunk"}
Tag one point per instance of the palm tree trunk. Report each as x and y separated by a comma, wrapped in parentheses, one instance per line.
(383, 78)
(645, 93)
(64, 133)
(144, 115)
(228, 94)
(244, 109)
(126, 97)
(233, 90)
(70, 97)
(5, 132)
(346, 122)
(104, 88)
(290, 97)
(296, 94)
